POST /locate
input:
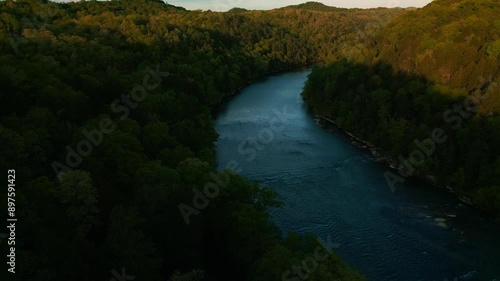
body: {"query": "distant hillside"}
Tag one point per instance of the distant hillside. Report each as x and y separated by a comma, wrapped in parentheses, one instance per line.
(237, 10)
(316, 6)
(434, 68)
(455, 43)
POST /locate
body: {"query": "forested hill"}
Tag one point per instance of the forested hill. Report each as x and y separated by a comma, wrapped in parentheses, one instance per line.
(430, 72)
(315, 6)
(105, 115)
(455, 43)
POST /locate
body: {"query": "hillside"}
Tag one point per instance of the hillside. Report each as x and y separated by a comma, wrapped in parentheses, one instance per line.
(429, 72)
(454, 43)
(315, 6)
(105, 115)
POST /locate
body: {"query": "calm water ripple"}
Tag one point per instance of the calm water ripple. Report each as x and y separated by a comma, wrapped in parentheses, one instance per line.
(332, 189)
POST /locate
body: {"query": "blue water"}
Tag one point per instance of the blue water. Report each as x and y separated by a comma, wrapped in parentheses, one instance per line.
(338, 192)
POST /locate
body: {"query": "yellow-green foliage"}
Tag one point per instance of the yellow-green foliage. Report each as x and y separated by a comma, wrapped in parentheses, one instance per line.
(417, 72)
(451, 42)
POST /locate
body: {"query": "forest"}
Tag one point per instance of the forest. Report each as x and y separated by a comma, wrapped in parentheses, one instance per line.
(106, 116)
(429, 71)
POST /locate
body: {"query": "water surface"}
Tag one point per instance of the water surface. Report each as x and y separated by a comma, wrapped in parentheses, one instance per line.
(336, 191)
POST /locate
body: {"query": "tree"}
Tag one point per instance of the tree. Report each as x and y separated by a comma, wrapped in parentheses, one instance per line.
(79, 196)
(129, 246)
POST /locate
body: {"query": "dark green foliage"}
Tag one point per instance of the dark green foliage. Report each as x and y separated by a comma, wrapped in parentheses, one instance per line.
(67, 74)
(392, 110)
(445, 59)
(299, 258)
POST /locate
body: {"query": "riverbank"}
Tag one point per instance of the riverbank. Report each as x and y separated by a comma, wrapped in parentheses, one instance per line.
(386, 159)
(335, 191)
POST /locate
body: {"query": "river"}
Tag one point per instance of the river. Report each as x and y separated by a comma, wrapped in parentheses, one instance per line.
(338, 192)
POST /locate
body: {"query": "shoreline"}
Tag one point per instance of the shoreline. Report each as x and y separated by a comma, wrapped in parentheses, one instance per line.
(387, 160)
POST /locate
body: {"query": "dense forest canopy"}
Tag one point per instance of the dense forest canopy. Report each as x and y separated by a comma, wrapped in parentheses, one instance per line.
(454, 43)
(425, 86)
(106, 116)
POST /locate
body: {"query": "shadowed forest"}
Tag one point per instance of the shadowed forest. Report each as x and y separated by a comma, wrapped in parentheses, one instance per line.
(106, 117)
(434, 68)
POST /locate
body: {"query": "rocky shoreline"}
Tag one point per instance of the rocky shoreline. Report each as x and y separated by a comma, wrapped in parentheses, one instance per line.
(378, 155)
(384, 158)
